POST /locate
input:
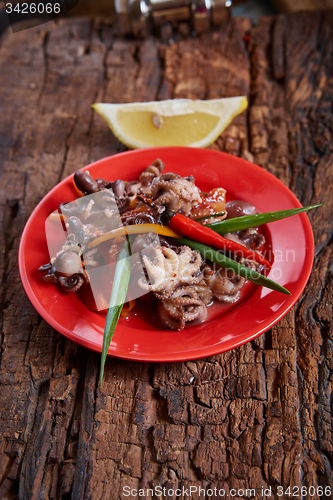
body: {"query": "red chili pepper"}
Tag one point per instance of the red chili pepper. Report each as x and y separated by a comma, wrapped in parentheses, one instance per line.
(198, 232)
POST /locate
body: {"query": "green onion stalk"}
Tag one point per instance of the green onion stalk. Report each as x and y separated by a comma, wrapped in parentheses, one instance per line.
(224, 261)
(117, 300)
(248, 221)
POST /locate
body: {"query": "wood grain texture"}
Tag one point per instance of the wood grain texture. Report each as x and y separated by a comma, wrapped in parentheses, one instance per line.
(255, 417)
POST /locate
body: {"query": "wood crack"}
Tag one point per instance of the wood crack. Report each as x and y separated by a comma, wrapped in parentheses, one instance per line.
(11, 209)
(67, 146)
(46, 66)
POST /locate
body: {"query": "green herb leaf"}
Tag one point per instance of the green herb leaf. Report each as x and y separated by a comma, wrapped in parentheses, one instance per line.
(117, 299)
(247, 221)
(220, 259)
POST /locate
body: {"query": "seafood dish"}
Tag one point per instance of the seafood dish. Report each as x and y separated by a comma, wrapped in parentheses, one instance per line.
(153, 212)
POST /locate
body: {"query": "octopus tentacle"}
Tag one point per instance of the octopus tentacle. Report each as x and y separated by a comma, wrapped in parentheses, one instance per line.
(190, 259)
(204, 292)
(151, 172)
(168, 320)
(156, 273)
(71, 283)
(169, 270)
(183, 306)
(223, 288)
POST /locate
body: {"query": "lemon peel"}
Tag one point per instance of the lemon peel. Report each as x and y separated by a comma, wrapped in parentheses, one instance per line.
(173, 122)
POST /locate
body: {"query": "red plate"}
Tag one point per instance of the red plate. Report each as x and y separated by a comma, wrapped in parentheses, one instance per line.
(141, 338)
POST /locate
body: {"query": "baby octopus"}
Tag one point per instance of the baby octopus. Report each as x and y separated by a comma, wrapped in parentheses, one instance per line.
(66, 270)
(149, 174)
(178, 276)
(144, 183)
(168, 270)
(176, 193)
(184, 305)
(223, 287)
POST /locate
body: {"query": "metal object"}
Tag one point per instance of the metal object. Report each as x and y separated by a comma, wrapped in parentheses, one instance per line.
(134, 17)
(140, 17)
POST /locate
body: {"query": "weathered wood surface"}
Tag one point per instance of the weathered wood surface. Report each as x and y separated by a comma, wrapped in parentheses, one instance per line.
(258, 416)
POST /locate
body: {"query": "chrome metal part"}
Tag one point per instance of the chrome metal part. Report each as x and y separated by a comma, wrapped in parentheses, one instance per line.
(140, 17)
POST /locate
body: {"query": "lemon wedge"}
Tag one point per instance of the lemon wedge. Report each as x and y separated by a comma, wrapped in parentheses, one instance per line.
(174, 122)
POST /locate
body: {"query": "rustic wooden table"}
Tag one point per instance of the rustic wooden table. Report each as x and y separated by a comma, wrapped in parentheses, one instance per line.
(257, 417)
